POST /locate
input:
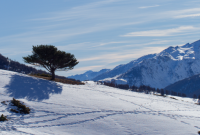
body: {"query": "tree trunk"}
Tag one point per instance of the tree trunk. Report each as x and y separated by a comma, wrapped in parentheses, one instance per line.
(53, 75)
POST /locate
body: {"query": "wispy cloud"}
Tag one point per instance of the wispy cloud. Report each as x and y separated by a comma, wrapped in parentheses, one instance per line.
(113, 46)
(78, 11)
(149, 6)
(159, 42)
(124, 55)
(51, 36)
(185, 16)
(160, 33)
(193, 12)
(89, 45)
(109, 60)
(87, 68)
(131, 45)
(84, 45)
(109, 43)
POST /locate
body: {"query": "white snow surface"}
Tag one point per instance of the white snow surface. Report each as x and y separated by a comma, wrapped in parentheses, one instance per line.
(91, 109)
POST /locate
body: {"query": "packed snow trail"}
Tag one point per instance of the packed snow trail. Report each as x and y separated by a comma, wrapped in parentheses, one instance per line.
(92, 109)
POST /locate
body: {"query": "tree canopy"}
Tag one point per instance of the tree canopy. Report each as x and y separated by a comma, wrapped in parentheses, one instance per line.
(52, 59)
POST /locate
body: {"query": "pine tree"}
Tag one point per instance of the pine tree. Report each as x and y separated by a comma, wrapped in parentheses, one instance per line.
(52, 59)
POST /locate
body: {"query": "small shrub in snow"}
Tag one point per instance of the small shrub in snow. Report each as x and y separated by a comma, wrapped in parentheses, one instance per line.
(3, 118)
(44, 75)
(14, 110)
(173, 98)
(22, 108)
(4, 102)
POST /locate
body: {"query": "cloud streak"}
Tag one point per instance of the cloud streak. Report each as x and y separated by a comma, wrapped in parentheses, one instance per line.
(161, 33)
(79, 11)
(87, 68)
(149, 6)
(177, 14)
(120, 56)
(109, 60)
(185, 16)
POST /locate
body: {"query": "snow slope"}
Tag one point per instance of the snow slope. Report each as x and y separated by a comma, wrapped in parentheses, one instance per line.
(92, 109)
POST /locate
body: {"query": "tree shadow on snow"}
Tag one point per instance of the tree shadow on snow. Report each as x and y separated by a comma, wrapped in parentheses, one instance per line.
(32, 88)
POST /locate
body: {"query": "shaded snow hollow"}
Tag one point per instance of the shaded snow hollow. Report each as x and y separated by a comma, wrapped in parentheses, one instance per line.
(92, 109)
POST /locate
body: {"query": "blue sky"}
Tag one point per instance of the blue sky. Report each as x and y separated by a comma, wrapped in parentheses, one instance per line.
(100, 33)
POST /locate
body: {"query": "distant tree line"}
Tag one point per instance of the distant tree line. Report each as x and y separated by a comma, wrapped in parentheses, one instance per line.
(195, 96)
(162, 92)
(8, 64)
(143, 89)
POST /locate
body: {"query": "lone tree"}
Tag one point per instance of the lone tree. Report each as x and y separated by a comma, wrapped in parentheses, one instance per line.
(52, 59)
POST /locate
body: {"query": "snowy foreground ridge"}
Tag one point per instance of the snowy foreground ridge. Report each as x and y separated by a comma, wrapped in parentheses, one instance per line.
(92, 109)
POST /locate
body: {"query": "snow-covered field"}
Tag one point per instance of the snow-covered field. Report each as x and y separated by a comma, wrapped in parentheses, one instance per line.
(92, 109)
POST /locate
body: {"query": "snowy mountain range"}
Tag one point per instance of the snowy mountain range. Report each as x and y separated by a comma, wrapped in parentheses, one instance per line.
(167, 67)
(158, 70)
(89, 75)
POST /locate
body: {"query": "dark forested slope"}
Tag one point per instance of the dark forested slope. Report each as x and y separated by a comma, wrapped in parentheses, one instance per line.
(8, 64)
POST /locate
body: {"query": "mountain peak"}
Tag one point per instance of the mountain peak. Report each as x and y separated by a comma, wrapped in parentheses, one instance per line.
(187, 51)
(88, 72)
